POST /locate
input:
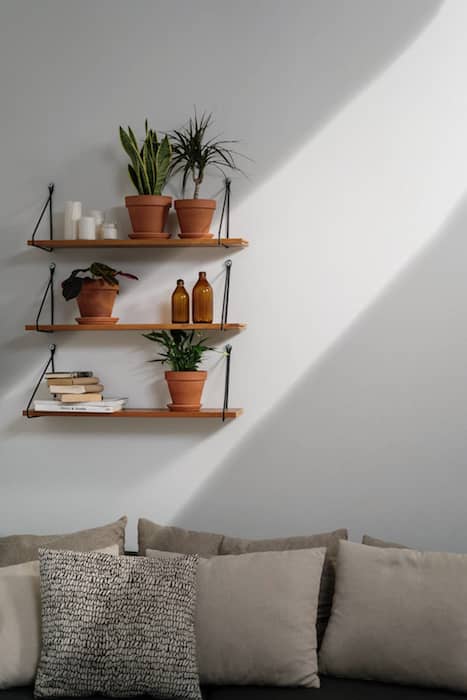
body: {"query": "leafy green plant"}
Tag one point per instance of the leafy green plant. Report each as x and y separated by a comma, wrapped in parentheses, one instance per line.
(150, 164)
(193, 153)
(72, 286)
(182, 353)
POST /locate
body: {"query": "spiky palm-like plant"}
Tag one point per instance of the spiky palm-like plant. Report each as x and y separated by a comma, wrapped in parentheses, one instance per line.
(193, 153)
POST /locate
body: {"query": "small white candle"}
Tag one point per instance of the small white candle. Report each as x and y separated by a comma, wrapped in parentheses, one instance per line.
(109, 231)
(87, 228)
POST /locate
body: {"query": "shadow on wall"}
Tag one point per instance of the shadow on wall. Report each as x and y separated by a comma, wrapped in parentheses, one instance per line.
(299, 62)
(381, 418)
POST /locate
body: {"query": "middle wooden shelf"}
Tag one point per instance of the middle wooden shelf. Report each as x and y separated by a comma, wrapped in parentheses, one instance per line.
(49, 328)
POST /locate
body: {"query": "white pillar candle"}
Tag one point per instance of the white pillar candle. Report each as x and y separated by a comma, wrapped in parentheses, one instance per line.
(71, 218)
(87, 228)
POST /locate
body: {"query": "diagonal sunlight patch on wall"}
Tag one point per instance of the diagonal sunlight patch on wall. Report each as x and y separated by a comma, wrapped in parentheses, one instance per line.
(341, 220)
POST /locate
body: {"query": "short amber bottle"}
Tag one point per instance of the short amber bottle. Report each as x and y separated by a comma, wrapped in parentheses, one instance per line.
(180, 304)
(202, 300)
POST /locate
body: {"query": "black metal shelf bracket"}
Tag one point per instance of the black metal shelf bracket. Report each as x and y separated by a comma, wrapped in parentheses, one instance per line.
(49, 288)
(48, 205)
(228, 353)
(50, 363)
(225, 301)
(225, 212)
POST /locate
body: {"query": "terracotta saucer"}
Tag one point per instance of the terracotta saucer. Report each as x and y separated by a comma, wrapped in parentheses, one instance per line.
(96, 320)
(196, 235)
(138, 236)
(184, 407)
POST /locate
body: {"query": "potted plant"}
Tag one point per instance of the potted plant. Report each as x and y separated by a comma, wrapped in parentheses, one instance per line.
(184, 355)
(149, 169)
(193, 154)
(95, 294)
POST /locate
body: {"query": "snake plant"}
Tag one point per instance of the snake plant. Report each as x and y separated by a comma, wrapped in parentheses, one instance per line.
(150, 164)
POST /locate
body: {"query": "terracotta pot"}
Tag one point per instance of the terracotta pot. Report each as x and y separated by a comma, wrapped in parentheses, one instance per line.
(185, 390)
(148, 214)
(195, 216)
(96, 299)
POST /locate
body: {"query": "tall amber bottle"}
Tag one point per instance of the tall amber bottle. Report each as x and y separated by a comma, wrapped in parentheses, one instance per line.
(202, 300)
(180, 304)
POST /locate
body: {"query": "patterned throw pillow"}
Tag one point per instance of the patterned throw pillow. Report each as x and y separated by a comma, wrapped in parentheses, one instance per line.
(117, 626)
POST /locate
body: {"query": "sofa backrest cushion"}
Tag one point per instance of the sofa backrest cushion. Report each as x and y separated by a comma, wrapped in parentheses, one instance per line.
(17, 549)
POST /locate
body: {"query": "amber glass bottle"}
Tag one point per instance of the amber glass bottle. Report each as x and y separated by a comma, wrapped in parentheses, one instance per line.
(180, 304)
(202, 300)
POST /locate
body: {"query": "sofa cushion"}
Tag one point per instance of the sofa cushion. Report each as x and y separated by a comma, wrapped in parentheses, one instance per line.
(398, 616)
(20, 622)
(16, 549)
(117, 626)
(255, 618)
(208, 544)
(330, 540)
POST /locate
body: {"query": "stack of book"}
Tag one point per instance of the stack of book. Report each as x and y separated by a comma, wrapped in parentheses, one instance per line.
(77, 391)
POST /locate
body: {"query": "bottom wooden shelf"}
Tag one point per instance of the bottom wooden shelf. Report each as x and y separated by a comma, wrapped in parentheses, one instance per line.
(142, 413)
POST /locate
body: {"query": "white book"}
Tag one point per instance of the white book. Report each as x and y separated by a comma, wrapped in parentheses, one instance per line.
(46, 405)
(104, 406)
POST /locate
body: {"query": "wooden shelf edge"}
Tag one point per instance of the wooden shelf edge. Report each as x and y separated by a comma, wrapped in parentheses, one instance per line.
(141, 413)
(142, 243)
(139, 327)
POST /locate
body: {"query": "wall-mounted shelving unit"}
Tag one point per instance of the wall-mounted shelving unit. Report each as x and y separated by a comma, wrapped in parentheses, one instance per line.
(51, 245)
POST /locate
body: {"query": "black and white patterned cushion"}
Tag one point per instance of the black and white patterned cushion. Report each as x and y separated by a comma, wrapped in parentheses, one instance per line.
(117, 626)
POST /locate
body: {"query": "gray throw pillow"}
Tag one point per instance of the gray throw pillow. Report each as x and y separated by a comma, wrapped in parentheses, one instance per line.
(207, 544)
(256, 616)
(17, 549)
(398, 616)
(117, 626)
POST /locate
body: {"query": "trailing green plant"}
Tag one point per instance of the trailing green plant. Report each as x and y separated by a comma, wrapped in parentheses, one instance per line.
(72, 286)
(182, 353)
(193, 152)
(150, 164)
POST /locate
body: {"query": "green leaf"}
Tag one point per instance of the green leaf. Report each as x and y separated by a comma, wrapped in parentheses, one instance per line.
(134, 178)
(162, 164)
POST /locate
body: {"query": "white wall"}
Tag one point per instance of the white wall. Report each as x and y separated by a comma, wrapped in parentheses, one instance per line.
(353, 370)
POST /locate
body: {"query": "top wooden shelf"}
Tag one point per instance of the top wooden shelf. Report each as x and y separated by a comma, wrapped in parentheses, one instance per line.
(142, 243)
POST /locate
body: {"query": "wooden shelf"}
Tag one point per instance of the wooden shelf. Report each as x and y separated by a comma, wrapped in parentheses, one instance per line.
(143, 243)
(139, 327)
(142, 413)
